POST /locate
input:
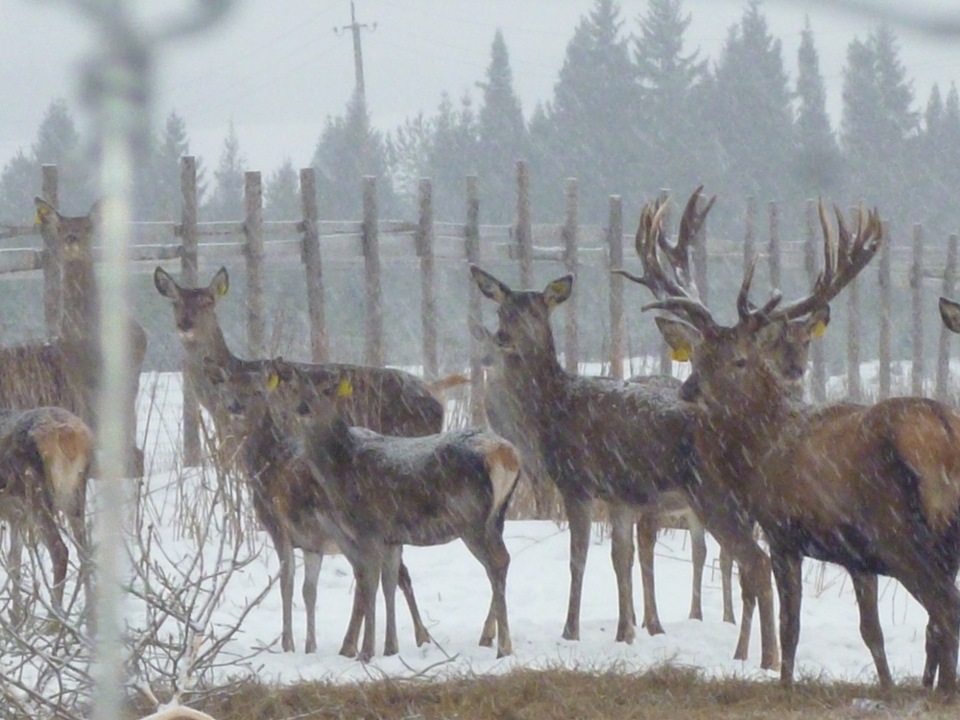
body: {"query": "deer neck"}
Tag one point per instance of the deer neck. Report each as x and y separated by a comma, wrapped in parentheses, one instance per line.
(81, 317)
(329, 446)
(210, 344)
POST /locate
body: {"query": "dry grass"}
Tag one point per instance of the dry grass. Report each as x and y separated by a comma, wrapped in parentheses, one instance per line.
(665, 693)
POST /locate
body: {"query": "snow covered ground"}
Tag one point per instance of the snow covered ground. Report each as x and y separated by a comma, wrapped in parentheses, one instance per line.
(454, 595)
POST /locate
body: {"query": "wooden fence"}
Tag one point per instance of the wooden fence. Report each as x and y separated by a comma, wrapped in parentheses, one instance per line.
(376, 242)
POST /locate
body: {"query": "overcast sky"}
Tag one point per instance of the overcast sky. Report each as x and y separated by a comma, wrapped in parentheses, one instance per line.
(277, 69)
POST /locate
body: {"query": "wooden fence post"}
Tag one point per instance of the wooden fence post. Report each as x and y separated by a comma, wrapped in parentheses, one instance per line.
(188, 276)
(773, 258)
(253, 230)
(818, 381)
(428, 302)
(373, 348)
(666, 361)
(916, 284)
(524, 230)
(943, 356)
(52, 262)
(571, 354)
(474, 313)
(749, 234)
(885, 335)
(615, 253)
(313, 266)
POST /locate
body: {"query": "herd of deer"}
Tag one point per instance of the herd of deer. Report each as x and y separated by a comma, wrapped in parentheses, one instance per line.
(356, 456)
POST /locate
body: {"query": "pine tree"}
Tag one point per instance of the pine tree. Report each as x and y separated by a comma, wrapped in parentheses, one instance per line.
(19, 184)
(877, 114)
(281, 196)
(818, 163)
(676, 148)
(453, 156)
(348, 150)
(172, 145)
(58, 143)
(502, 136)
(593, 115)
(409, 153)
(752, 111)
(226, 202)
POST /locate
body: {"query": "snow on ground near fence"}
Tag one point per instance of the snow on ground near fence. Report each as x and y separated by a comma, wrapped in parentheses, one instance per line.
(454, 595)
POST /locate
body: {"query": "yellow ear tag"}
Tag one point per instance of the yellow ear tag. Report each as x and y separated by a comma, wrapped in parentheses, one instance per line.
(38, 220)
(345, 388)
(558, 286)
(819, 329)
(273, 381)
(680, 354)
(221, 290)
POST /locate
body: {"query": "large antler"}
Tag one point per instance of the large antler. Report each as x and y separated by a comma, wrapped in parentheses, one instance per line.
(840, 267)
(674, 287)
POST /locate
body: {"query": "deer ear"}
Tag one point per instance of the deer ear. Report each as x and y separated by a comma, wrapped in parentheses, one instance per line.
(817, 322)
(47, 214)
(96, 211)
(165, 284)
(950, 314)
(489, 285)
(680, 336)
(220, 283)
(558, 291)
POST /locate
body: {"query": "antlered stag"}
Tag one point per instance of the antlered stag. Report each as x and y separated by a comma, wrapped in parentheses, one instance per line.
(623, 443)
(875, 489)
(384, 399)
(386, 491)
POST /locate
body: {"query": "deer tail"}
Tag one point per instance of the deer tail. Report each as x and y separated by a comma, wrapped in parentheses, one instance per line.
(65, 445)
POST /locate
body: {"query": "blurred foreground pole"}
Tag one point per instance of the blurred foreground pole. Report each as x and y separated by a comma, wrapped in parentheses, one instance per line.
(118, 86)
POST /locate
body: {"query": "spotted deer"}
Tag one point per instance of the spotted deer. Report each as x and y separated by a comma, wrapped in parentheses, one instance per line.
(291, 505)
(623, 443)
(873, 488)
(73, 376)
(384, 399)
(45, 454)
(386, 491)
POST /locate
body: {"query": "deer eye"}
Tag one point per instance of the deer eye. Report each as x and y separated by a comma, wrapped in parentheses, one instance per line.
(740, 363)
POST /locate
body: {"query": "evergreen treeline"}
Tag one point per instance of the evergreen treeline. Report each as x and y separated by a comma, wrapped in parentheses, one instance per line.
(634, 110)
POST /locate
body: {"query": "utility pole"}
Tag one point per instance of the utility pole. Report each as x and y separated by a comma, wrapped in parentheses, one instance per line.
(354, 27)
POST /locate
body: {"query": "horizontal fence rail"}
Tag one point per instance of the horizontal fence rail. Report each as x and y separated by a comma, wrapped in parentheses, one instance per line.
(891, 308)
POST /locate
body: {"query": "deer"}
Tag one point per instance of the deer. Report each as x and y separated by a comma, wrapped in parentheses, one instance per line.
(386, 491)
(287, 500)
(385, 400)
(950, 314)
(623, 443)
(500, 408)
(73, 374)
(45, 454)
(873, 488)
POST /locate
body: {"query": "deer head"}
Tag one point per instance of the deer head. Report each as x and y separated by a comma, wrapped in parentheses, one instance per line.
(194, 309)
(736, 366)
(524, 314)
(74, 234)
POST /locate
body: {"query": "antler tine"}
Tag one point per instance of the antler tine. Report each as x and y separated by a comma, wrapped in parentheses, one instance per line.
(645, 242)
(693, 311)
(840, 268)
(745, 310)
(679, 254)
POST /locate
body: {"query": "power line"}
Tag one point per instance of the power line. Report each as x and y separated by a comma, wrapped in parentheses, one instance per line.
(354, 27)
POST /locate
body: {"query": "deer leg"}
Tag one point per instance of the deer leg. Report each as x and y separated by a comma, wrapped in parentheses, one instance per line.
(698, 554)
(287, 569)
(368, 579)
(726, 582)
(787, 569)
(14, 564)
(311, 575)
(59, 555)
(389, 576)
(646, 542)
(492, 553)
(406, 587)
(348, 647)
(578, 518)
(621, 550)
(865, 588)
